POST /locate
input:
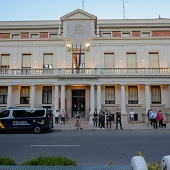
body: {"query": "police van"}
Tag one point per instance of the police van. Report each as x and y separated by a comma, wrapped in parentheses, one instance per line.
(37, 119)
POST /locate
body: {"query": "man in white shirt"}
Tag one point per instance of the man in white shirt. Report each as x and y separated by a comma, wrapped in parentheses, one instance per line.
(132, 116)
(154, 118)
(57, 114)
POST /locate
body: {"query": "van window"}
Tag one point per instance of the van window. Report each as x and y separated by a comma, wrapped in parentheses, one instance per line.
(20, 113)
(4, 113)
(36, 113)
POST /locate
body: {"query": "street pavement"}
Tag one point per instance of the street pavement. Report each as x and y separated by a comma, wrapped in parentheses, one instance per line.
(126, 126)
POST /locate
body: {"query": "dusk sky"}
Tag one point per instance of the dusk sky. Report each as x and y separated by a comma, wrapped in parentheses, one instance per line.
(19, 10)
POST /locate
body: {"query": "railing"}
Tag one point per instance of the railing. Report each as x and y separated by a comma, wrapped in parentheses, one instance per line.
(136, 163)
(86, 72)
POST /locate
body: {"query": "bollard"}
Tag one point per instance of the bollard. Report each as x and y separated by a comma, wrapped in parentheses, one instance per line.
(138, 163)
(166, 162)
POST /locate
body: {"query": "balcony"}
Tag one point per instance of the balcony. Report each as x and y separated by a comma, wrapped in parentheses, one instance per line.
(85, 72)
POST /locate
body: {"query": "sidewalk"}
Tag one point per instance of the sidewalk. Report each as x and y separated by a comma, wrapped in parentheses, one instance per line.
(126, 126)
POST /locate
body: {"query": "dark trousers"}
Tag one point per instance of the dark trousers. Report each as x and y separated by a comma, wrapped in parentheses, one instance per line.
(56, 120)
(118, 121)
(100, 124)
(160, 123)
(95, 122)
(63, 120)
(155, 123)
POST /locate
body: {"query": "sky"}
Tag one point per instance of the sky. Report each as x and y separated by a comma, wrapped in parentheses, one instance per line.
(26, 10)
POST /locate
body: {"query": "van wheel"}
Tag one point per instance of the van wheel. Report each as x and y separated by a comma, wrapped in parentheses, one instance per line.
(37, 129)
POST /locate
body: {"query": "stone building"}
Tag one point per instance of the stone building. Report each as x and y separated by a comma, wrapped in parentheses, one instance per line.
(82, 63)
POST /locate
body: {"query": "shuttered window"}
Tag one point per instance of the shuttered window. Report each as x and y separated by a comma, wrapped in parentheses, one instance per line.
(132, 95)
(5, 60)
(48, 60)
(131, 60)
(109, 60)
(109, 95)
(26, 60)
(153, 60)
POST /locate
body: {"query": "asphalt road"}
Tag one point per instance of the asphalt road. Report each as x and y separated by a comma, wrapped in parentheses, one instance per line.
(88, 148)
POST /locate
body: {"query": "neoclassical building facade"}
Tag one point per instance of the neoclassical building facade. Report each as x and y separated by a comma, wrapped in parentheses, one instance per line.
(85, 64)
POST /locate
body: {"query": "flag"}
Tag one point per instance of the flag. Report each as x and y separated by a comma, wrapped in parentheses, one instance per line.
(79, 57)
(74, 56)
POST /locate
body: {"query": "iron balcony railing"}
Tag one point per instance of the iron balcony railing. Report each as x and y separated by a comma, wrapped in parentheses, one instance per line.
(86, 72)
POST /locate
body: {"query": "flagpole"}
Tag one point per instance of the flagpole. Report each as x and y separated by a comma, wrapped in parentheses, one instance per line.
(79, 57)
(76, 57)
(72, 57)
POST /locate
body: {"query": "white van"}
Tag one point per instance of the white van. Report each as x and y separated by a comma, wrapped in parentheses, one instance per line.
(37, 119)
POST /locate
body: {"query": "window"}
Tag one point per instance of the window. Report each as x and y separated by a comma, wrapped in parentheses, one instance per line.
(5, 61)
(107, 34)
(20, 113)
(47, 95)
(34, 36)
(36, 113)
(15, 36)
(52, 35)
(153, 60)
(3, 95)
(24, 95)
(132, 95)
(26, 63)
(109, 60)
(4, 113)
(155, 95)
(109, 95)
(145, 34)
(125, 34)
(48, 60)
(131, 60)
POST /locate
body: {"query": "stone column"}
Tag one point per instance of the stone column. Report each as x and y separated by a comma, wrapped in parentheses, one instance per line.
(32, 96)
(123, 104)
(55, 98)
(98, 98)
(62, 97)
(91, 103)
(148, 102)
(9, 97)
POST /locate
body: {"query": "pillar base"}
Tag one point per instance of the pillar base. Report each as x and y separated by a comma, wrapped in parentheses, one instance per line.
(145, 118)
(91, 118)
(124, 117)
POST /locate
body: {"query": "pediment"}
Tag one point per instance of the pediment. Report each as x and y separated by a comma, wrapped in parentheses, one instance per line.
(78, 15)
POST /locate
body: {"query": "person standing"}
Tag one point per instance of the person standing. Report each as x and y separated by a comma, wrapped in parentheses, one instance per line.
(150, 117)
(100, 120)
(77, 121)
(132, 116)
(160, 118)
(63, 116)
(95, 117)
(57, 114)
(154, 118)
(118, 119)
(108, 119)
(103, 120)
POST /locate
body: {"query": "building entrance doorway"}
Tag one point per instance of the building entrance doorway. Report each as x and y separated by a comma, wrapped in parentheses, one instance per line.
(78, 102)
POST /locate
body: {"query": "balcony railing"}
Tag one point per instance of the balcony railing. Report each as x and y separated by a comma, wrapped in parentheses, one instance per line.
(86, 72)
